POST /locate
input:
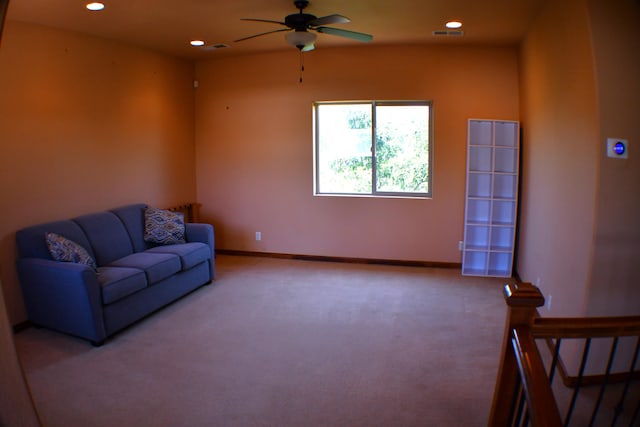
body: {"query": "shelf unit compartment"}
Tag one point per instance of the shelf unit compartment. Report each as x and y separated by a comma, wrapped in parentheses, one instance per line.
(504, 186)
(481, 159)
(477, 237)
(480, 132)
(506, 134)
(506, 160)
(478, 211)
(503, 212)
(475, 263)
(500, 264)
(479, 185)
(501, 238)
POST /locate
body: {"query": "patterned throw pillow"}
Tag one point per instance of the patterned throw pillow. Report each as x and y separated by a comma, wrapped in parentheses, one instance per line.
(63, 249)
(163, 227)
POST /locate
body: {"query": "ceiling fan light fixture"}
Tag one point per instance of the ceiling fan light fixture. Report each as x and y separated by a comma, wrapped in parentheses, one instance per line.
(453, 25)
(300, 39)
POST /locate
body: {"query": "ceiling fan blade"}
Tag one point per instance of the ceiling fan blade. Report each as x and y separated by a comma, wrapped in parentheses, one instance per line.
(262, 20)
(329, 20)
(362, 37)
(262, 34)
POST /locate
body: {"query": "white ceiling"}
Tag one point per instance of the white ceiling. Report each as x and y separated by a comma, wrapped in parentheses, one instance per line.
(168, 25)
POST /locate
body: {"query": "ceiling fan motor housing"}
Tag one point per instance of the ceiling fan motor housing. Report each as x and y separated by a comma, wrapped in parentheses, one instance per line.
(299, 21)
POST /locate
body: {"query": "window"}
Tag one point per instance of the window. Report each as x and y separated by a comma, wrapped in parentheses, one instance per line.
(379, 148)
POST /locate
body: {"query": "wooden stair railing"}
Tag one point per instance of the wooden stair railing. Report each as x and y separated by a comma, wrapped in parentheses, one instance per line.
(607, 332)
(521, 364)
(191, 211)
(524, 396)
(558, 328)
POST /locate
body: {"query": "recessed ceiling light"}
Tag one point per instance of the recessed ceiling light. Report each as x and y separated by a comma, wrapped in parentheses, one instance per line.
(453, 24)
(95, 6)
(197, 42)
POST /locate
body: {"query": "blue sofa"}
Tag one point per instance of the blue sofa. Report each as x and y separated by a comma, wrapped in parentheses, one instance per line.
(133, 277)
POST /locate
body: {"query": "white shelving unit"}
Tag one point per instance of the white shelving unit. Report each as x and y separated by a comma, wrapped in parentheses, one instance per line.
(491, 197)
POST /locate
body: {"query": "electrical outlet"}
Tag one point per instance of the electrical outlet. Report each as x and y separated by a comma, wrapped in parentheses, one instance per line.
(460, 245)
(258, 235)
(549, 302)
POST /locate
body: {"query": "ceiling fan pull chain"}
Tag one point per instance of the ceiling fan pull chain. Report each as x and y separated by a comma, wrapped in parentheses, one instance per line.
(301, 65)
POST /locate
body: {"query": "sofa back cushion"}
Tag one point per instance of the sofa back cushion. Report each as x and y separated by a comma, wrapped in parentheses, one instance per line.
(108, 236)
(31, 241)
(132, 216)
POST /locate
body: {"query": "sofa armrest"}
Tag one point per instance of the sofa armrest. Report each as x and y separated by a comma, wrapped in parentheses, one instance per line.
(198, 232)
(63, 296)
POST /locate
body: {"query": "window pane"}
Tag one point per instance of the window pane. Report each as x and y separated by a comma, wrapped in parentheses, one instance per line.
(344, 148)
(402, 148)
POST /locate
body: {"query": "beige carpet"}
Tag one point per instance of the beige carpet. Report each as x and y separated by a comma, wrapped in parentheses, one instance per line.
(286, 343)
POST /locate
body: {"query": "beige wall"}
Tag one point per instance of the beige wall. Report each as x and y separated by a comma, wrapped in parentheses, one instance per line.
(560, 148)
(615, 286)
(16, 406)
(255, 159)
(579, 228)
(87, 124)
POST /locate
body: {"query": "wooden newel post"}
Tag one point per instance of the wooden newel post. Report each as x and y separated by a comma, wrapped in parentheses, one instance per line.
(522, 301)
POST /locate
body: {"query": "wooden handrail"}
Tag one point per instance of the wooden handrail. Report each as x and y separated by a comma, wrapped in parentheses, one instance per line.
(522, 300)
(585, 327)
(542, 407)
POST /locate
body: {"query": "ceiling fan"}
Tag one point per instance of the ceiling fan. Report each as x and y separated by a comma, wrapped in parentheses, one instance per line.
(298, 26)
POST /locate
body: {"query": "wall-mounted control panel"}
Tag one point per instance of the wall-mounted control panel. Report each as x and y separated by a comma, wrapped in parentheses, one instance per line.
(617, 148)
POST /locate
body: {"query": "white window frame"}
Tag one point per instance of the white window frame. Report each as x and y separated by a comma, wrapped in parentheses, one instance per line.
(373, 193)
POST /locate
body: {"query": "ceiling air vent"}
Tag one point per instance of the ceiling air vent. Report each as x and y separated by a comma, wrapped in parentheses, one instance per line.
(451, 33)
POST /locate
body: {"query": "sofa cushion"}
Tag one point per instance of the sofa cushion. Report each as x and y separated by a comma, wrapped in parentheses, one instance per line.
(191, 254)
(108, 236)
(132, 216)
(63, 249)
(157, 266)
(163, 227)
(118, 282)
